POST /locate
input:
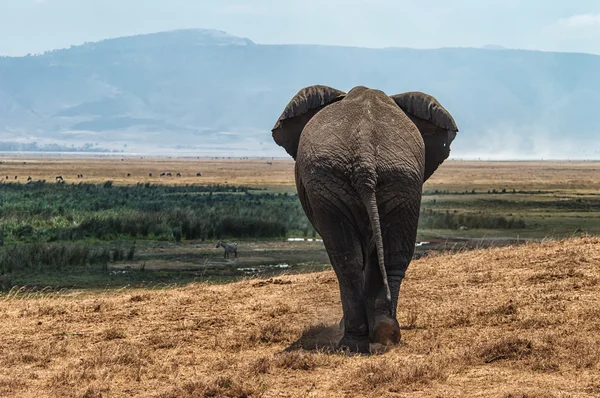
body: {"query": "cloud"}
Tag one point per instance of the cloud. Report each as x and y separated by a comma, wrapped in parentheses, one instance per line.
(577, 33)
(581, 21)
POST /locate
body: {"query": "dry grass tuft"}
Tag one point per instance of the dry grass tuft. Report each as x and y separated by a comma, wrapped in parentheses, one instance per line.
(10, 386)
(397, 375)
(509, 348)
(504, 322)
(261, 365)
(270, 333)
(299, 360)
(221, 386)
(114, 333)
(136, 298)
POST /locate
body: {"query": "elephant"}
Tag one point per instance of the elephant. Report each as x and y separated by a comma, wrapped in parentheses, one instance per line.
(361, 159)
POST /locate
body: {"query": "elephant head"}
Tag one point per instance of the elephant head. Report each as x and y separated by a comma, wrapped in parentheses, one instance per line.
(361, 160)
(436, 125)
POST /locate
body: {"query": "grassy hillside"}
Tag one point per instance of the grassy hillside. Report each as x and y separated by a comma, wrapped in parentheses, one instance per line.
(516, 322)
(183, 89)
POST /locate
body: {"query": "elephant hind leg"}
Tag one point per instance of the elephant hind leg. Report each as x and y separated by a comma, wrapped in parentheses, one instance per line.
(399, 235)
(344, 248)
(383, 326)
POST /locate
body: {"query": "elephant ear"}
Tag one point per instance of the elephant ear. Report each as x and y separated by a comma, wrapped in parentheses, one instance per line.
(299, 111)
(436, 125)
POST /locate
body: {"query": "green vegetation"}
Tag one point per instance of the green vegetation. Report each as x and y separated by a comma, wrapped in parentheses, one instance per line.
(509, 213)
(42, 212)
(98, 235)
(70, 235)
(430, 219)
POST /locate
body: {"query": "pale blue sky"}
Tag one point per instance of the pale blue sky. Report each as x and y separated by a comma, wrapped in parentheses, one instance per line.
(32, 26)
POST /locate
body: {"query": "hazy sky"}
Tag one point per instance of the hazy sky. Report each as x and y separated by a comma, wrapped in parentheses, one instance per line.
(31, 26)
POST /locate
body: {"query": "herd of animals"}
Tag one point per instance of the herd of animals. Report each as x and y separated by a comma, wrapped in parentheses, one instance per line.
(60, 178)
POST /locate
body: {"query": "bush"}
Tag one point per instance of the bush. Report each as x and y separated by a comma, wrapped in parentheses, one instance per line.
(56, 256)
(446, 220)
(57, 212)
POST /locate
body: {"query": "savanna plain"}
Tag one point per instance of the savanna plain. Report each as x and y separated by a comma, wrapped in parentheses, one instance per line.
(112, 285)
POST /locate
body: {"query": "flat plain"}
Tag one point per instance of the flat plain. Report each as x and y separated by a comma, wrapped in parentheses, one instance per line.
(453, 175)
(551, 198)
(255, 172)
(521, 321)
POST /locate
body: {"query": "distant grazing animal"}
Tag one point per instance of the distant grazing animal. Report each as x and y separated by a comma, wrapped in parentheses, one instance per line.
(128, 174)
(228, 248)
(150, 175)
(198, 174)
(29, 179)
(176, 235)
(270, 163)
(178, 174)
(162, 174)
(169, 175)
(7, 177)
(59, 178)
(16, 177)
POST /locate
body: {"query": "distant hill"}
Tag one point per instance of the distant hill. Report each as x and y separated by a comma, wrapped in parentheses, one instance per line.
(206, 91)
(493, 47)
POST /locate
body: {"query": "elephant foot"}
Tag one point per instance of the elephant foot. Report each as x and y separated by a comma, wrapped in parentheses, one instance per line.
(386, 331)
(359, 344)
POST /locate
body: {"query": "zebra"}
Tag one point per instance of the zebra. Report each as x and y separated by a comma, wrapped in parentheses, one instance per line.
(228, 248)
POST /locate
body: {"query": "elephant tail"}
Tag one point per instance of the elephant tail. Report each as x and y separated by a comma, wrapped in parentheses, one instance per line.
(371, 206)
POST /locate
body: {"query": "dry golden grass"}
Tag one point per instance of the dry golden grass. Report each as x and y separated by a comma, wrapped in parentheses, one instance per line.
(506, 322)
(254, 172)
(452, 175)
(544, 175)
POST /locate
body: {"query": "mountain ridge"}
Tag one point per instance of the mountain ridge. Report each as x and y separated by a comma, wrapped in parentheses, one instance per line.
(185, 88)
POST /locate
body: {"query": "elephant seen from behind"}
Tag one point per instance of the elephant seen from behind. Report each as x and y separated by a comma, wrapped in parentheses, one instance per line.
(361, 161)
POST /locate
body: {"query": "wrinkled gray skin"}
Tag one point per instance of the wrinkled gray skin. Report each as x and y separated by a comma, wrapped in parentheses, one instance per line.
(361, 160)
